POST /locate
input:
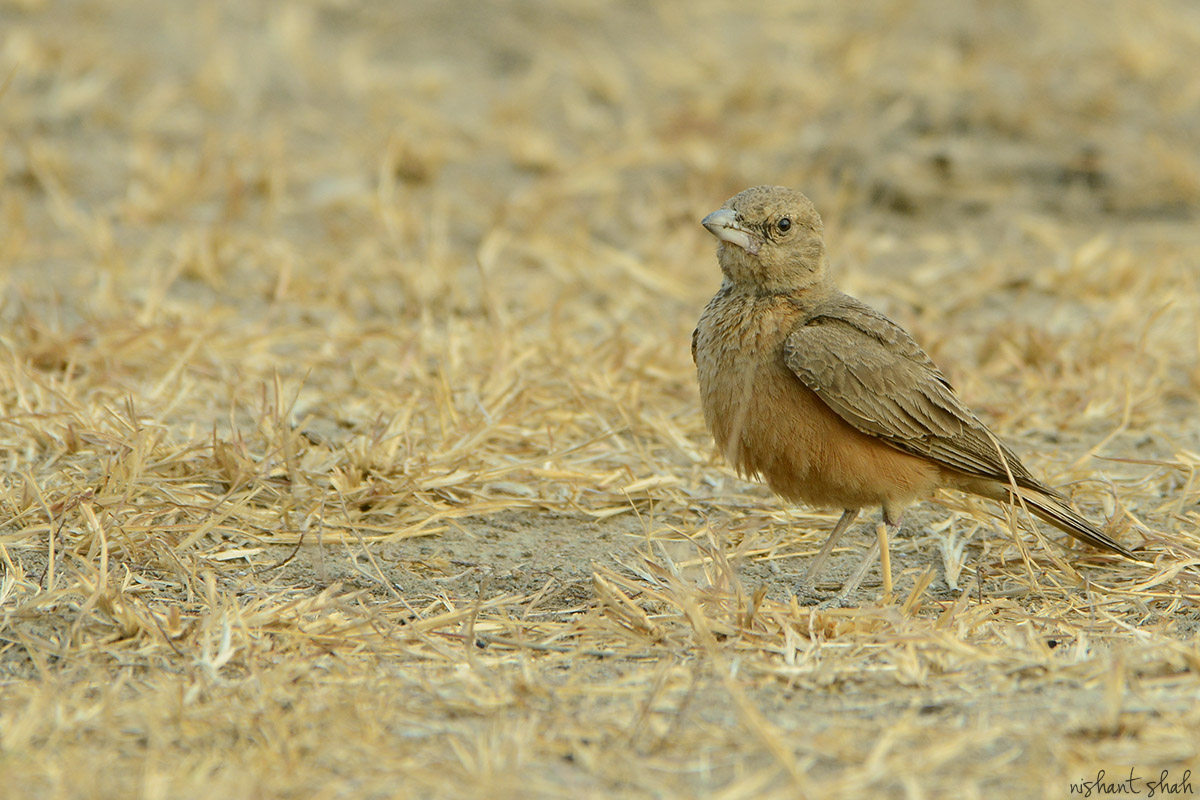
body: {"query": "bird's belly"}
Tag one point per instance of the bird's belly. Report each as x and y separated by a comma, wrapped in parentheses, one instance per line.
(767, 423)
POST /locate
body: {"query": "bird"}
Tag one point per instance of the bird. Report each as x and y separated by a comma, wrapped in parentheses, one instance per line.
(828, 401)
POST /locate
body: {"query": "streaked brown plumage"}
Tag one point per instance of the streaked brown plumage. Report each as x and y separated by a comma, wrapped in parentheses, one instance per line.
(827, 400)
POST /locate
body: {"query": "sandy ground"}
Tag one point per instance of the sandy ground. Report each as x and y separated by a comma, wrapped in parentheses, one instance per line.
(350, 437)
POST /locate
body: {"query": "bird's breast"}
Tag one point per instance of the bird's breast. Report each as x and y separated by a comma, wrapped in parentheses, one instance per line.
(748, 394)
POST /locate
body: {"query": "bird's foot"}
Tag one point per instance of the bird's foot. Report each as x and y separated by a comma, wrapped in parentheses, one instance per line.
(839, 600)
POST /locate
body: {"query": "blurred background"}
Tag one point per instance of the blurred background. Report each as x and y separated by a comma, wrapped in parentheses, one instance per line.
(404, 147)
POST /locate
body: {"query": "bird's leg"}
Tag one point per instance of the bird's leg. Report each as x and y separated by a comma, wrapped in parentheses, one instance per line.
(886, 528)
(814, 569)
(885, 556)
(840, 599)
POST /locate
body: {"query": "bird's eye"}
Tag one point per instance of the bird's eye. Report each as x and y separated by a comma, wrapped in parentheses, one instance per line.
(784, 225)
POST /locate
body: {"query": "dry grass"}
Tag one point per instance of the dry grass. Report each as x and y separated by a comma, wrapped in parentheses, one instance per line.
(350, 436)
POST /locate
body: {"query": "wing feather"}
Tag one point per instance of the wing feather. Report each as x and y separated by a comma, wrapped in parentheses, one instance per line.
(874, 376)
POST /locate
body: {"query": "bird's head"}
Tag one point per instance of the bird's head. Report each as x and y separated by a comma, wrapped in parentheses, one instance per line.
(771, 240)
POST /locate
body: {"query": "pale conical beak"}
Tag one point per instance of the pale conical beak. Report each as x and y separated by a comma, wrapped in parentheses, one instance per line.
(723, 224)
